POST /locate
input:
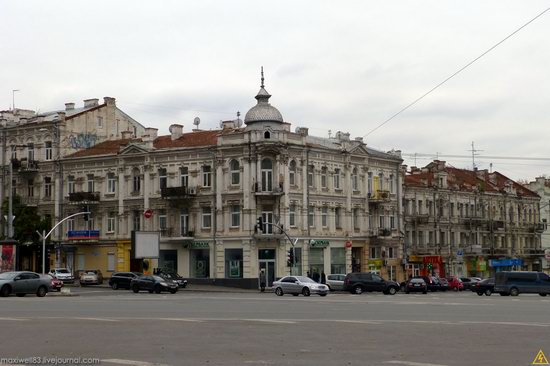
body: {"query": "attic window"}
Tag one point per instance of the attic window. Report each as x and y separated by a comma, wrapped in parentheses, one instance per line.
(267, 135)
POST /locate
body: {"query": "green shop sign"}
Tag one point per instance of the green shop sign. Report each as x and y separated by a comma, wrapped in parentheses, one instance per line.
(319, 243)
(195, 244)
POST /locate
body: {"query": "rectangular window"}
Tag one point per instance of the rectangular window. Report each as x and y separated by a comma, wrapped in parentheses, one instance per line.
(336, 178)
(184, 177)
(206, 217)
(374, 252)
(111, 183)
(324, 216)
(292, 215)
(136, 187)
(337, 260)
(324, 178)
(392, 221)
(47, 187)
(381, 223)
(184, 222)
(392, 252)
(354, 181)
(392, 273)
(30, 152)
(233, 263)
(420, 207)
(110, 262)
(369, 182)
(235, 216)
(311, 216)
(206, 176)
(163, 178)
(70, 224)
(392, 184)
(30, 188)
(163, 221)
(90, 182)
(100, 122)
(136, 220)
(70, 184)
(14, 152)
(48, 150)
(111, 222)
(310, 170)
(337, 218)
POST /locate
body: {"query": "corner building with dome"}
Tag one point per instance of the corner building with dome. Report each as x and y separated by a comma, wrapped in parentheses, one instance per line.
(233, 201)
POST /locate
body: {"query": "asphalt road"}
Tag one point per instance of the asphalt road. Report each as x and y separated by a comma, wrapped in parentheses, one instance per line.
(201, 328)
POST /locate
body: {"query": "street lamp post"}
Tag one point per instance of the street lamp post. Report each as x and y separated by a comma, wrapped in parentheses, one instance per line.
(45, 236)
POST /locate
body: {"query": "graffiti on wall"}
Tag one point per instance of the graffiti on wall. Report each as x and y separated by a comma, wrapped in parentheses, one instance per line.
(82, 140)
(7, 262)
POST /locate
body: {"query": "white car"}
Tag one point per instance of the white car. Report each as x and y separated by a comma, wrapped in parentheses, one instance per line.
(297, 285)
(62, 274)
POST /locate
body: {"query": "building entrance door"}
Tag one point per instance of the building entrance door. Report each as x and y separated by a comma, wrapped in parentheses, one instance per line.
(266, 261)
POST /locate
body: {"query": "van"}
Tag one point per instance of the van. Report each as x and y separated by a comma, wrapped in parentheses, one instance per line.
(514, 283)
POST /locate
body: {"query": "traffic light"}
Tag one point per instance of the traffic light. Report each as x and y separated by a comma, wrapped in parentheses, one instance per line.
(84, 208)
(290, 257)
(430, 266)
(260, 224)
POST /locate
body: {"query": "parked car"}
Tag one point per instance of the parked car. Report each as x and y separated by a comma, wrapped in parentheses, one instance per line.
(123, 279)
(62, 274)
(152, 284)
(182, 282)
(455, 283)
(359, 282)
(23, 282)
(443, 284)
(431, 282)
(55, 284)
(514, 283)
(297, 285)
(486, 287)
(416, 285)
(468, 282)
(90, 277)
(335, 282)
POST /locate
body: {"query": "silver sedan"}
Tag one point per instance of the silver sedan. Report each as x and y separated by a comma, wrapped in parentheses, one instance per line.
(22, 283)
(335, 282)
(296, 285)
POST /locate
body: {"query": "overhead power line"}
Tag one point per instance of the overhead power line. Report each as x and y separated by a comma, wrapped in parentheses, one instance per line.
(440, 155)
(456, 73)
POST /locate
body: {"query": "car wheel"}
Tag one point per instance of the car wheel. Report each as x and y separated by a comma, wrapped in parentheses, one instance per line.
(306, 292)
(173, 291)
(114, 286)
(20, 295)
(392, 291)
(42, 291)
(488, 292)
(543, 294)
(480, 293)
(514, 291)
(357, 290)
(158, 289)
(279, 291)
(135, 288)
(323, 295)
(455, 289)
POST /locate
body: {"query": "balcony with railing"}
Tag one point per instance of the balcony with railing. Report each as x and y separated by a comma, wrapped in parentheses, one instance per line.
(84, 197)
(268, 190)
(30, 201)
(178, 192)
(268, 231)
(379, 196)
(24, 165)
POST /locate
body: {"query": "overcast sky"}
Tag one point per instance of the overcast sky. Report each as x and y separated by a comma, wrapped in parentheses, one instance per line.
(330, 65)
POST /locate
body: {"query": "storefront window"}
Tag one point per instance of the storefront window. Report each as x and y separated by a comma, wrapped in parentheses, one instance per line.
(316, 261)
(337, 260)
(199, 263)
(234, 263)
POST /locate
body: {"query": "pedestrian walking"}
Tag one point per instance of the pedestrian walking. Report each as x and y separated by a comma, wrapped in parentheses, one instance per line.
(323, 278)
(262, 280)
(316, 276)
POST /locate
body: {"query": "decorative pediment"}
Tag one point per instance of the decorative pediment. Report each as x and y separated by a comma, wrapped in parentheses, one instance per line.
(359, 149)
(132, 149)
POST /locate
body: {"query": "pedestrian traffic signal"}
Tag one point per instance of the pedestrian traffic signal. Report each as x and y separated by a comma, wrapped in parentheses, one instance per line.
(430, 266)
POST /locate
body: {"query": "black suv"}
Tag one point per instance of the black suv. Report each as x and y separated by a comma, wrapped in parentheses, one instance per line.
(359, 282)
(170, 275)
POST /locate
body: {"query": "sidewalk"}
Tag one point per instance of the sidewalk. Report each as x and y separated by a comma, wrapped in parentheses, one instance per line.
(190, 288)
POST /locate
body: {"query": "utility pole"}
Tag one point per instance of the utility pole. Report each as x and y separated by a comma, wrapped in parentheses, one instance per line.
(13, 99)
(474, 153)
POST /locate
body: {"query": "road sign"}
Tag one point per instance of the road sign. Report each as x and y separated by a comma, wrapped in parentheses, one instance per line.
(349, 244)
(459, 253)
(148, 213)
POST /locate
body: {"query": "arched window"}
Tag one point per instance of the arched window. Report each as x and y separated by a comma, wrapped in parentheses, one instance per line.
(292, 173)
(267, 175)
(267, 135)
(235, 172)
(136, 180)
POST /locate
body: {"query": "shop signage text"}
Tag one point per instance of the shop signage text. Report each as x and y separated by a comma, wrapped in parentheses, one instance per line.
(319, 243)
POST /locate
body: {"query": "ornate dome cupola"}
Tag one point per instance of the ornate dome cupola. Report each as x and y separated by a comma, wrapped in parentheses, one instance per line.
(263, 111)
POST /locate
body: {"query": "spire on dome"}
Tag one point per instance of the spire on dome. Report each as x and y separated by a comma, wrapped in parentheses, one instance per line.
(262, 77)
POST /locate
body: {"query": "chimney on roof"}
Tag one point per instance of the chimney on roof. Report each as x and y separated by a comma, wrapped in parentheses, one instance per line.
(150, 133)
(109, 101)
(359, 139)
(126, 135)
(61, 116)
(69, 106)
(228, 125)
(89, 103)
(303, 131)
(176, 131)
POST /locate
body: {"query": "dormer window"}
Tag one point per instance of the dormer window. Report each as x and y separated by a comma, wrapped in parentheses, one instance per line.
(267, 135)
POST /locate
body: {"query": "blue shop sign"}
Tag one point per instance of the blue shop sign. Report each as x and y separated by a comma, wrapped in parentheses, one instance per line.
(82, 234)
(505, 262)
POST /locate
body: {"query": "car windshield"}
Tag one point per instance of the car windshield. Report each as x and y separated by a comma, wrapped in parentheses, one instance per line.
(62, 271)
(158, 278)
(305, 279)
(7, 275)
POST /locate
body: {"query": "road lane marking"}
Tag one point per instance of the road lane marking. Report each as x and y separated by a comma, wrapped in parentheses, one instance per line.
(93, 319)
(411, 363)
(176, 319)
(132, 362)
(14, 319)
(275, 321)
